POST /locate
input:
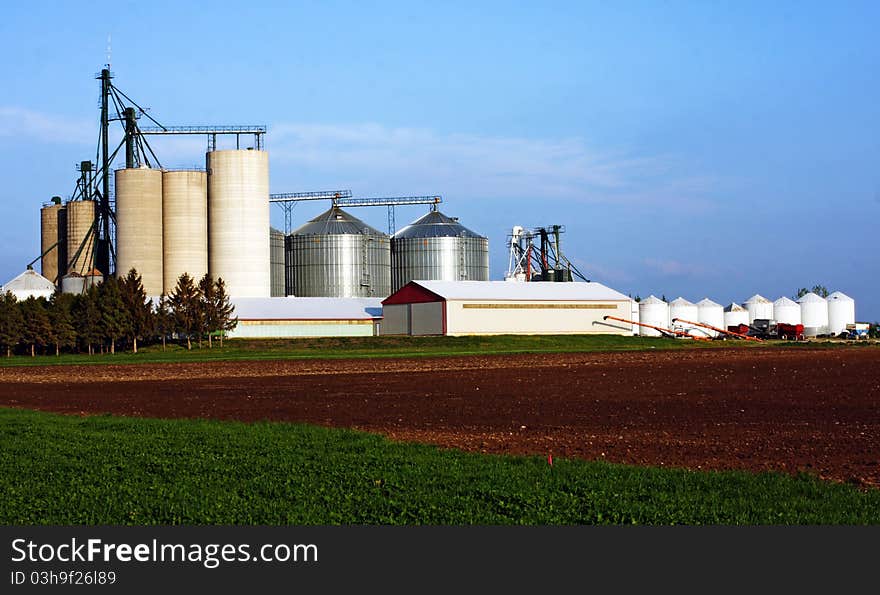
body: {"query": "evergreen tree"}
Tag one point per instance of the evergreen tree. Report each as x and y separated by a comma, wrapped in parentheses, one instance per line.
(36, 331)
(11, 322)
(61, 321)
(86, 318)
(164, 323)
(185, 303)
(139, 310)
(209, 322)
(223, 310)
(115, 322)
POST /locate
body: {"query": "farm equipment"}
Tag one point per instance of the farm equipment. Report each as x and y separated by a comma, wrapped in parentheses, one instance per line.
(857, 330)
(739, 335)
(667, 332)
(765, 328)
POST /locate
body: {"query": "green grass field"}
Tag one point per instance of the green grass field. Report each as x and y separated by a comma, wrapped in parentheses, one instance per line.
(105, 470)
(364, 347)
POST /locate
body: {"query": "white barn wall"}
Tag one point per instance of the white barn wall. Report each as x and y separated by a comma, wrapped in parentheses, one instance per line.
(479, 317)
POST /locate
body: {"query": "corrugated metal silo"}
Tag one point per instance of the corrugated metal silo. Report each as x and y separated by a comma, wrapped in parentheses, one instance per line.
(338, 255)
(654, 311)
(51, 233)
(184, 226)
(276, 262)
(80, 250)
(787, 311)
(814, 314)
(72, 283)
(709, 312)
(758, 307)
(238, 221)
(438, 248)
(735, 315)
(841, 312)
(139, 225)
(682, 308)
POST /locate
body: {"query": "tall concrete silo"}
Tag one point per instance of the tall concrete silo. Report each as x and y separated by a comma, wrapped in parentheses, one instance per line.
(338, 255)
(52, 236)
(238, 221)
(276, 262)
(80, 215)
(184, 226)
(139, 225)
(438, 248)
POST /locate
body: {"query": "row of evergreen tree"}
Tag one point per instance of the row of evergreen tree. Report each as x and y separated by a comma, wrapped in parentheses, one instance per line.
(116, 314)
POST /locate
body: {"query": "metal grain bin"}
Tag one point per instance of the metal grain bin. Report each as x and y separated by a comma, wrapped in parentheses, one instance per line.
(338, 255)
(438, 248)
(276, 263)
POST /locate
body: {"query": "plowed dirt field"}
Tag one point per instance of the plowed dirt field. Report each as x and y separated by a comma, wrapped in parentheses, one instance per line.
(791, 410)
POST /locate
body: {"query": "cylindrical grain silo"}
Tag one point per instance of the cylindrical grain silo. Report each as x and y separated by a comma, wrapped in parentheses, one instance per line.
(238, 221)
(81, 234)
(438, 248)
(758, 307)
(735, 315)
(276, 262)
(139, 226)
(51, 237)
(184, 226)
(841, 312)
(711, 313)
(338, 255)
(72, 283)
(814, 314)
(786, 311)
(685, 310)
(653, 311)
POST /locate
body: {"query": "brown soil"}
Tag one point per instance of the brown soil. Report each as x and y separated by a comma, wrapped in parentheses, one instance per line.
(756, 409)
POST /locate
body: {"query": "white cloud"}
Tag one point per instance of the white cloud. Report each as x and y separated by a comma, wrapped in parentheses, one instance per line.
(479, 165)
(24, 123)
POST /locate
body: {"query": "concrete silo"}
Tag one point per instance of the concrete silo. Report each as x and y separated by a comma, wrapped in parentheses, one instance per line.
(338, 255)
(238, 221)
(438, 248)
(139, 225)
(80, 215)
(841, 312)
(787, 311)
(682, 308)
(184, 226)
(711, 313)
(814, 314)
(653, 311)
(735, 315)
(758, 307)
(52, 236)
(276, 263)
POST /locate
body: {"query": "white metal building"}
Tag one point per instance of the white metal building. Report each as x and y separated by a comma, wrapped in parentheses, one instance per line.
(29, 284)
(306, 317)
(499, 307)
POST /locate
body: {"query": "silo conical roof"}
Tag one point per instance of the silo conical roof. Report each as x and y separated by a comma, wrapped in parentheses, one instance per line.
(839, 296)
(29, 280)
(707, 303)
(335, 221)
(810, 298)
(757, 299)
(734, 307)
(434, 225)
(784, 302)
(680, 301)
(652, 299)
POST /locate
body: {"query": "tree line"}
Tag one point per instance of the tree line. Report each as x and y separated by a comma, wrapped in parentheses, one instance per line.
(116, 314)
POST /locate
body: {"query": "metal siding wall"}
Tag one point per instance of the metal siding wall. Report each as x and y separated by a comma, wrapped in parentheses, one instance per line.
(490, 321)
(276, 260)
(395, 320)
(427, 319)
(292, 329)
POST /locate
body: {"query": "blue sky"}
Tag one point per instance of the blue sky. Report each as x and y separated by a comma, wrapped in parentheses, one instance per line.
(690, 148)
